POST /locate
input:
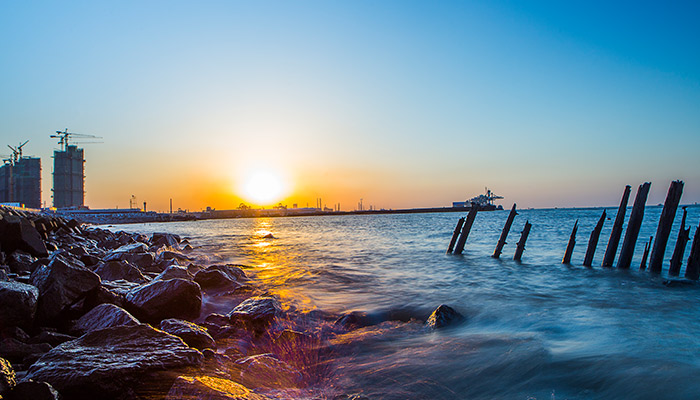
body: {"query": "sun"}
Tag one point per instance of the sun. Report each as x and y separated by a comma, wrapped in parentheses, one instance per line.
(263, 187)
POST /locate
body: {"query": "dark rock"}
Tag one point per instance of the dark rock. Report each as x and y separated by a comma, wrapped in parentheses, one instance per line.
(120, 287)
(33, 390)
(90, 259)
(20, 262)
(143, 260)
(266, 371)
(116, 270)
(16, 351)
(104, 316)
(159, 300)
(165, 239)
(117, 254)
(218, 319)
(52, 338)
(62, 283)
(173, 255)
(210, 388)
(78, 251)
(443, 316)
(215, 279)
(3, 273)
(20, 234)
(103, 296)
(15, 332)
(18, 304)
(108, 362)
(174, 271)
(355, 320)
(255, 312)
(7, 377)
(193, 334)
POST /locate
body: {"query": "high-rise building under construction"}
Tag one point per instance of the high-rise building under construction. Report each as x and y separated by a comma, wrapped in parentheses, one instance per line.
(68, 177)
(20, 179)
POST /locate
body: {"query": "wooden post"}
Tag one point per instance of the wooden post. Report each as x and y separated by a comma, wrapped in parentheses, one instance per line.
(455, 234)
(465, 229)
(593, 241)
(647, 245)
(633, 226)
(681, 242)
(570, 246)
(611, 249)
(665, 223)
(521, 243)
(692, 270)
(504, 233)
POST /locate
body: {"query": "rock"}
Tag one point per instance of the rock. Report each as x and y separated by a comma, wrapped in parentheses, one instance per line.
(127, 248)
(173, 255)
(7, 377)
(443, 316)
(174, 271)
(103, 295)
(108, 362)
(20, 262)
(193, 334)
(78, 251)
(355, 320)
(116, 270)
(16, 333)
(20, 234)
(255, 312)
(61, 284)
(210, 388)
(232, 271)
(215, 279)
(52, 338)
(159, 300)
(18, 304)
(89, 259)
(104, 316)
(265, 371)
(16, 351)
(3, 273)
(120, 287)
(165, 239)
(33, 390)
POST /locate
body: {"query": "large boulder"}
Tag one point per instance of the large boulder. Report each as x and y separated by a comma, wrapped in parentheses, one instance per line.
(193, 334)
(210, 388)
(165, 239)
(174, 271)
(215, 279)
(232, 271)
(7, 377)
(443, 316)
(109, 362)
(116, 270)
(159, 300)
(128, 248)
(256, 312)
(20, 234)
(104, 316)
(266, 371)
(21, 262)
(18, 303)
(62, 283)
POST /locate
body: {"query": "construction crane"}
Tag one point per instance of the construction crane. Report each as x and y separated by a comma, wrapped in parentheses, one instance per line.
(17, 152)
(63, 137)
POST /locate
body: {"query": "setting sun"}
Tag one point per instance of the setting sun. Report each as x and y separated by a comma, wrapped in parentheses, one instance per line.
(264, 187)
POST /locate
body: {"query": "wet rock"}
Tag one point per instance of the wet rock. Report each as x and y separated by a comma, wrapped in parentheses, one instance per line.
(18, 304)
(256, 312)
(443, 316)
(33, 390)
(89, 260)
(104, 316)
(120, 287)
(159, 300)
(355, 320)
(3, 274)
(20, 262)
(232, 271)
(78, 251)
(20, 234)
(143, 260)
(210, 388)
(266, 371)
(215, 279)
(16, 333)
(52, 338)
(165, 239)
(116, 270)
(354, 396)
(7, 377)
(61, 284)
(193, 334)
(16, 351)
(82, 368)
(174, 271)
(102, 296)
(173, 255)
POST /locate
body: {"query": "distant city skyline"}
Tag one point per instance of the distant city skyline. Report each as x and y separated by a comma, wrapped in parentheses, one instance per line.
(403, 104)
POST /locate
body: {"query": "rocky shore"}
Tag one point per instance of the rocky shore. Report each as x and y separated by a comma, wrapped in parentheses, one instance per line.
(88, 313)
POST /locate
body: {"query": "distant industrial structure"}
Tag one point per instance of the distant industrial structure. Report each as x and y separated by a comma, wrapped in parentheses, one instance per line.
(69, 171)
(20, 179)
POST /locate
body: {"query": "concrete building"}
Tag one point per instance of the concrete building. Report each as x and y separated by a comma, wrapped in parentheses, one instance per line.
(20, 182)
(68, 177)
(6, 186)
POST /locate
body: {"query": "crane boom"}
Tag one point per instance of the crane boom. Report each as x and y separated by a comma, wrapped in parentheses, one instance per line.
(63, 137)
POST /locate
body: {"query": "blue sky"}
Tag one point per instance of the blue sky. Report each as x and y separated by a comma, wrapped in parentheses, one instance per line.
(401, 103)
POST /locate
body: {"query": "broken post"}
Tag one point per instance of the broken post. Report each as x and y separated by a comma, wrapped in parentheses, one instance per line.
(570, 246)
(465, 229)
(521, 243)
(647, 245)
(665, 223)
(455, 234)
(593, 241)
(692, 270)
(611, 249)
(504, 233)
(633, 226)
(681, 242)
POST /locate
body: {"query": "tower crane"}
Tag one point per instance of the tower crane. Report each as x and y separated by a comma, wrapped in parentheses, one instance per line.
(17, 151)
(63, 137)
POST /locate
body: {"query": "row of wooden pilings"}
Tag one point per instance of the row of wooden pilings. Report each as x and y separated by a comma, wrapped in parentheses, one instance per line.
(658, 248)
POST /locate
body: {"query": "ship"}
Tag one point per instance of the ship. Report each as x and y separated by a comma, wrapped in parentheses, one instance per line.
(483, 201)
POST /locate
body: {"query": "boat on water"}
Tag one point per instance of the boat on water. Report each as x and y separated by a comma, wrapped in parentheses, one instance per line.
(483, 201)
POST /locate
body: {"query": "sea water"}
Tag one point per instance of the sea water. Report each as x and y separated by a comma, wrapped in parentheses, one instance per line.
(534, 329)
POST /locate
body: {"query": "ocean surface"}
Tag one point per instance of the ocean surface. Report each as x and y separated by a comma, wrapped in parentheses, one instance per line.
(534, 329)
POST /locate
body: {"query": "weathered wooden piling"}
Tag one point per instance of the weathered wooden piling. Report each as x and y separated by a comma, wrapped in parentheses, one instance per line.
(692, 270)
(679, 250)
(611, 249)
(570, 246)
(593, 241)
(455, 234)
(521, 243)
(504, 233)
(647, 245)
(633, 226)
(665, 224)
(466, 228)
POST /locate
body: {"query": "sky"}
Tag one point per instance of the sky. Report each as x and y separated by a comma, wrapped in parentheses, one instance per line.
(399, 103)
